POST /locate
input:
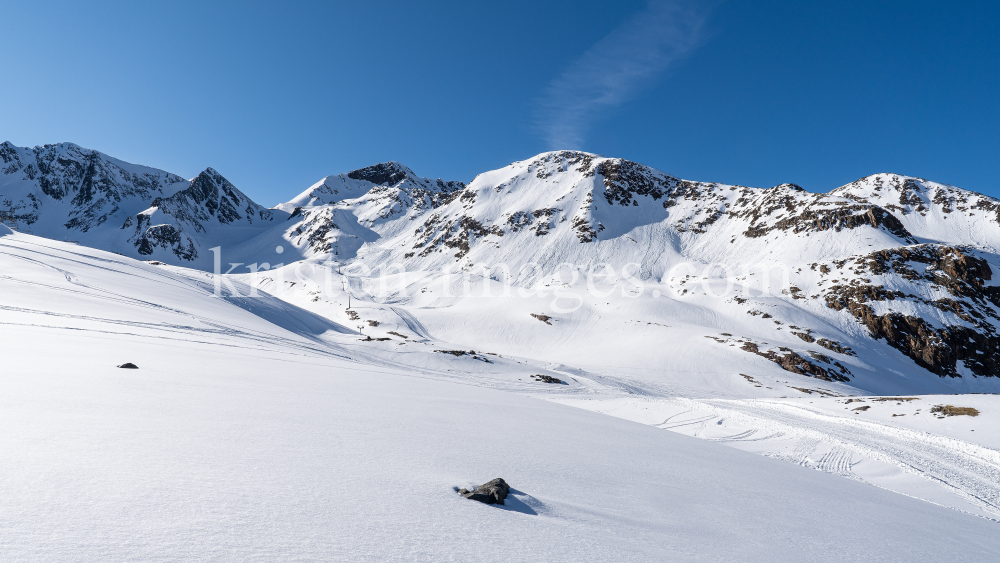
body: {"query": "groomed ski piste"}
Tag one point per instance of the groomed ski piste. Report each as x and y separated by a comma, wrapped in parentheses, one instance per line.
(257, 430)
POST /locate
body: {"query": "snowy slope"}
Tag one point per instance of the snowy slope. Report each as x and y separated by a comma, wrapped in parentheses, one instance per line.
(255, 430)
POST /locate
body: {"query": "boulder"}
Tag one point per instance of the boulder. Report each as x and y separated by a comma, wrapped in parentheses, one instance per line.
(547, 379)
(129, 365)
(493, 492)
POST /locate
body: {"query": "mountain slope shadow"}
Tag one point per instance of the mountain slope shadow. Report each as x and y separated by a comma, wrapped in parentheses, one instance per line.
(275, 311)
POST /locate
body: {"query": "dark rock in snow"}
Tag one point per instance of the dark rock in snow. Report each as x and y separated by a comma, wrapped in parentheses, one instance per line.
(547, 379)
(129, 365)
(493, 492)
(544, 318)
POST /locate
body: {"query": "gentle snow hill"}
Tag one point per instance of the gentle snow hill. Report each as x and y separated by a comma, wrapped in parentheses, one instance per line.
(251, 432)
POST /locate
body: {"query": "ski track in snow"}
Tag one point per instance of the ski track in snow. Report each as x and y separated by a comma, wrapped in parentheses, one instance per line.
(825, 442)
(970, 470)
(412, 323)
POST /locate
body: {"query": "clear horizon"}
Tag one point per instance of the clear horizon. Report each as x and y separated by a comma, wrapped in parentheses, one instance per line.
(749, 93)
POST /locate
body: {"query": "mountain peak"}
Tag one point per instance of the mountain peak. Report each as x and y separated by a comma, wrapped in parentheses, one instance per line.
(383, 174)
(357, 183)
(789, 186)
(548, 155)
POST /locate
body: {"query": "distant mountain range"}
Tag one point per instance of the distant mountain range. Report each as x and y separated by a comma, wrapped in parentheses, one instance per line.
(885, 260)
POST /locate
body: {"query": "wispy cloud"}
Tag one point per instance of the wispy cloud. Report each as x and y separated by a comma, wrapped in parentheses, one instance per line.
(617, 67)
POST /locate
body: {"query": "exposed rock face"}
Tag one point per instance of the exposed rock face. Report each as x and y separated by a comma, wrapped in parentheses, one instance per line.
(949, 269)
(790, 360)
(86, 186)
(493, 492)
(385, 174)
(210, 197)
(846, 217)
(624, 179)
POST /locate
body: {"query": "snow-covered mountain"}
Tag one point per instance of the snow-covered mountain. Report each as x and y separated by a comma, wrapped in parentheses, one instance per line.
(887, 260)
(208, 212)
(65, 188)
(334, 215)
(66, 192)
(821, 285)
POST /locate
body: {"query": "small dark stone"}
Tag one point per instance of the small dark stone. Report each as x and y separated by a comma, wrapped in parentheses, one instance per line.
(129, 365)
(493, 492)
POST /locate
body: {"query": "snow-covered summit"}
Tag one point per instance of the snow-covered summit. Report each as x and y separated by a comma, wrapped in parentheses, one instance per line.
(356, 183)
(583, 206)
(932, 211)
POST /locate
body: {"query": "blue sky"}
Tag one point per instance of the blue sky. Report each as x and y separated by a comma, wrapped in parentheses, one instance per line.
(277, 95)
